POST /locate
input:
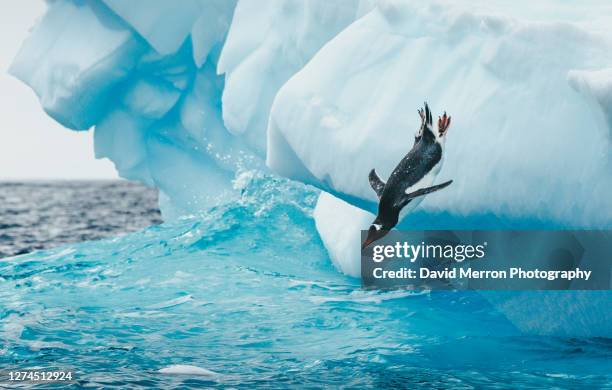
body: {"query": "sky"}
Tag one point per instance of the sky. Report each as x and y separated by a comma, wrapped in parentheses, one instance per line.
(32, 145)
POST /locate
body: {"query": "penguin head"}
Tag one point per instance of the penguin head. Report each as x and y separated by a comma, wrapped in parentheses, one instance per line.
(376, 231)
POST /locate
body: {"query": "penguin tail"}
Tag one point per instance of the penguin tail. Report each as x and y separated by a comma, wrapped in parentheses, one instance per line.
(425, 114)
(428, 117)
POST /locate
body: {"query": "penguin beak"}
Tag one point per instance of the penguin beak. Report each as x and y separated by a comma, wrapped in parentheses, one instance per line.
(373, 235)
(367, 242)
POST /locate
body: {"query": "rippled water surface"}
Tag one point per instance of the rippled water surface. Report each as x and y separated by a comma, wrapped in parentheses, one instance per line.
(246, 291)
(39, 215)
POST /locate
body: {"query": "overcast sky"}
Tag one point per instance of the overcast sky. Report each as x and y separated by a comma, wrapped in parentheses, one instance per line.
(32, 145)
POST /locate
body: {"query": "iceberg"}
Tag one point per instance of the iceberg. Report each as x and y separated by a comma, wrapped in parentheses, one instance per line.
(131, 71)
(173, 103)
(267, 43)
(74, 59)
(332, 217)
(353, 108)
(329, 90)
(188, 98)
(537, 93)
(147, 18)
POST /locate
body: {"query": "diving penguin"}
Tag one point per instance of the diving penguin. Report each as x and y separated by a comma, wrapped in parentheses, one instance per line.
(411, 179)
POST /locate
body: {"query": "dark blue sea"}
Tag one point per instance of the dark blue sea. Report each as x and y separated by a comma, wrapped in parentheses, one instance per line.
(242, 295)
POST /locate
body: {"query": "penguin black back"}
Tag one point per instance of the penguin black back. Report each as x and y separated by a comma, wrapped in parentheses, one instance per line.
(419, 161)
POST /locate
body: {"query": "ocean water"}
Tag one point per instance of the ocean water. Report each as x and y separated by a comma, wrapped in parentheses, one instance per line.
(245, 292)
(46, 214)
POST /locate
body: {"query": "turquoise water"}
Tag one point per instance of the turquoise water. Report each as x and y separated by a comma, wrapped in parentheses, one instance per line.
(246, 290)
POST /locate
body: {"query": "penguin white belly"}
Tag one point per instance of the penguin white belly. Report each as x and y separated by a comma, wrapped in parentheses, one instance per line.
(425, 181)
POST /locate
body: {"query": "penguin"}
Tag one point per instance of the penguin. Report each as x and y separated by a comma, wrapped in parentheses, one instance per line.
(411, 179)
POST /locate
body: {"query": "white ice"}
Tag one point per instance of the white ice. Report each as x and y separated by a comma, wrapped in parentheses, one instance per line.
(267, 43)
(185, 369)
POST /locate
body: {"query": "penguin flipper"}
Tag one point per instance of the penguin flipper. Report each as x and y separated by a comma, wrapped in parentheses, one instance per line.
(423, 191)
(377, 184)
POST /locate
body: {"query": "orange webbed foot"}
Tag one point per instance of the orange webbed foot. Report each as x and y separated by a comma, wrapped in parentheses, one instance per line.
(443, 124)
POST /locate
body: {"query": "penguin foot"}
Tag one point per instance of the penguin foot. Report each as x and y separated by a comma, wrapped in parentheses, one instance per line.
(443, 124)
